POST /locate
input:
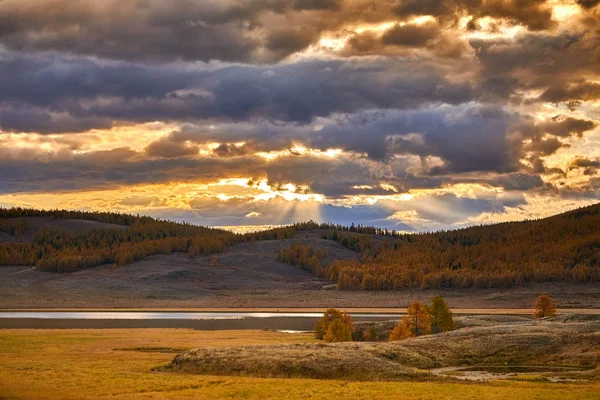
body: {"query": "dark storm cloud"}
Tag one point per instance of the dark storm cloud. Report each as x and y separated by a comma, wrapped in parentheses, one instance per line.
(231, 150)
(50, 94)
(544, 146)
(146, 29)
(409, 39)
(541, 60)
(568, 126)
(107, 169)
(226, 30)
(589, 166)
(467, 138)
(195, 30)
(317, 4)
(521, 182)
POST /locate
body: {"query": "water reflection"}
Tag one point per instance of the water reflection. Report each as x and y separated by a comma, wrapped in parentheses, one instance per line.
(130, 315)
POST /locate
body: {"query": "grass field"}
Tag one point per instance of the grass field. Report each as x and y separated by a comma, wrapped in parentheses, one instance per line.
(117, 364)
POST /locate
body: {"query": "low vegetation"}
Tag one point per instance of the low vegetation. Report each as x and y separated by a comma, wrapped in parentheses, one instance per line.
(520, 342)
(104, 363)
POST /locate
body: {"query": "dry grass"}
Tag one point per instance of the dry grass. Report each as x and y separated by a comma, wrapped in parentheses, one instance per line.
(357, 361)
(90, 364)
(517, 342)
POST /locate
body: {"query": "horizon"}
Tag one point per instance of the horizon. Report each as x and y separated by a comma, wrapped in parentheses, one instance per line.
(409, 115)
(241, 229)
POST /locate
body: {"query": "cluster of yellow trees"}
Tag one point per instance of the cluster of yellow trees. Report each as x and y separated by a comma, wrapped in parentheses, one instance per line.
(337, 326)
(423, 320)
(305, 257)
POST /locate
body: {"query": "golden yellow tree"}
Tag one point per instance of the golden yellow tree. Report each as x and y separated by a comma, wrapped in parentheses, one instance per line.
(401, 331)
(338, 331)
(329, 317)
(415, 323)
(544, 307)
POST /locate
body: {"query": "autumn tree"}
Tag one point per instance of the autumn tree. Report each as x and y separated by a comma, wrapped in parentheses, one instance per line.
(415, 323)
(338, 331)
(325, 331)
(440, 316)
(544, 307)
(401, 331)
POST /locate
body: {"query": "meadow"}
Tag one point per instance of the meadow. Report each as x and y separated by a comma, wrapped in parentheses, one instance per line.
(119, 363)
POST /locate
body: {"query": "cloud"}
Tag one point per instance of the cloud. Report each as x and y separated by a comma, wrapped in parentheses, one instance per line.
(581, 90)
(534, 14)
(587, 4)
(65, 95)
(168, 148)
(417, 115)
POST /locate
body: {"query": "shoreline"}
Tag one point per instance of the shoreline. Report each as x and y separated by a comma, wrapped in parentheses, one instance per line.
(361, 310)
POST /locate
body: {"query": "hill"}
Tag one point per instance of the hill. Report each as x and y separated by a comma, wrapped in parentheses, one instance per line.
(181, 265)
(562, 248)
(67, 241)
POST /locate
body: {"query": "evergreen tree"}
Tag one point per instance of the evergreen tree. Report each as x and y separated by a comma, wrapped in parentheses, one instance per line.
(440, 316)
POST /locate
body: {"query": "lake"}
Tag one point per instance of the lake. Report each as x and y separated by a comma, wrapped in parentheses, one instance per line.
(196, 320)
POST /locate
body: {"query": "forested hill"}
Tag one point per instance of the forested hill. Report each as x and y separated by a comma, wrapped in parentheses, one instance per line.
(561, 248)
(67, 241)
(565, 247)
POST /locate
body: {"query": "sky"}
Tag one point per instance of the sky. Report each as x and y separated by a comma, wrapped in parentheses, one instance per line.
(414, 115)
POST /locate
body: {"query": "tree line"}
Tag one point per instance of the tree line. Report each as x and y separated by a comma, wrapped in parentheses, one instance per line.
(562, 248)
